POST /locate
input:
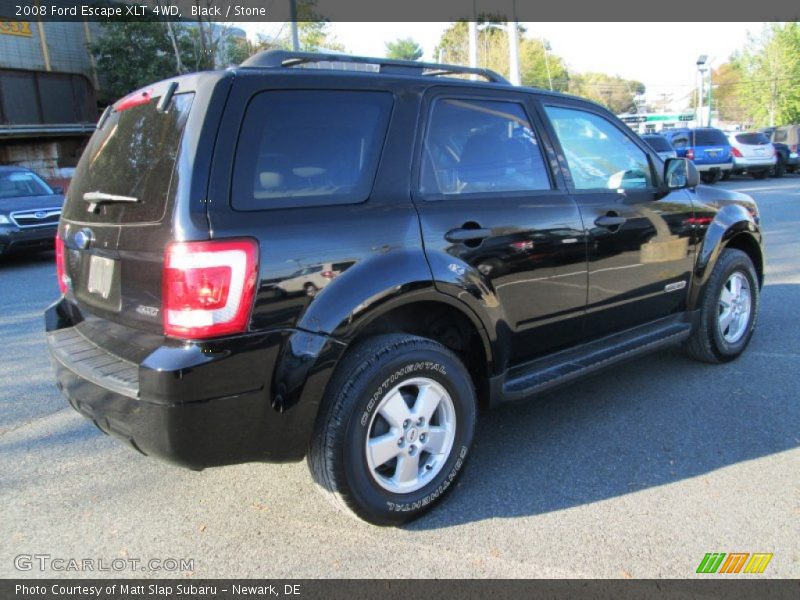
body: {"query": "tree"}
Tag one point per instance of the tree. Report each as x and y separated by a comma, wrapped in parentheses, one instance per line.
(617, 94)
(725, 98)
(403, 49)
(538, 65)
(769, 68)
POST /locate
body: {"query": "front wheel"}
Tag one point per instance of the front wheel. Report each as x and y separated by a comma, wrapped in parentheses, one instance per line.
(728, 310)
(395, 428)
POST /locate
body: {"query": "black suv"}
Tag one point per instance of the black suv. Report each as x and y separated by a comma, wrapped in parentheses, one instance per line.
(500, 241)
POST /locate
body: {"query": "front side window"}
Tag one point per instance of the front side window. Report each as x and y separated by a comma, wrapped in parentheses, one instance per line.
(480, 146)
(301, 148)
(599, 155)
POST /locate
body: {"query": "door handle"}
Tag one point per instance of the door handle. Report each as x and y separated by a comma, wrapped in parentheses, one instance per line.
(462, 234)
(609, 221)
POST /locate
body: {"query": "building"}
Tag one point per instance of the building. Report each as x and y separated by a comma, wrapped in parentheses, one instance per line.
(47, 94)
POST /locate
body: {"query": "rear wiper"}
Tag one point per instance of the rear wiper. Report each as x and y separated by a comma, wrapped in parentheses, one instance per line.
(95, 198)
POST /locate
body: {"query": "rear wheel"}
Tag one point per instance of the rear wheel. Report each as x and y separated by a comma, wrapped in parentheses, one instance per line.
(395, 428)
(760, 174)
(728, 310)
(726, 175)
(311, 290)
(779, 170)
(710, 177)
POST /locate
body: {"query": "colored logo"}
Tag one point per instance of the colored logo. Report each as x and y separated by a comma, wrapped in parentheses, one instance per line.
(735, 562)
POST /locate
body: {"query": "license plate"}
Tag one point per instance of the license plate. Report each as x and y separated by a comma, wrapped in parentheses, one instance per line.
(712, 153)
(101, 273)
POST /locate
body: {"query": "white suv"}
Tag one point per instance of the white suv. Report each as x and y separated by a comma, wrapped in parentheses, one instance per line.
(752, 152)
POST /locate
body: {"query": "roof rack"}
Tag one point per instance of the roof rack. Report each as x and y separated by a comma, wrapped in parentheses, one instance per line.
(274, 59)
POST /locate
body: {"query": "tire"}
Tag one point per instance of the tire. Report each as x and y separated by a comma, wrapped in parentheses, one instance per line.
(779, 170)
(760, 174)
(710, 177)
(711, 341)
(726, 175)
(366, 388)
(310, 289)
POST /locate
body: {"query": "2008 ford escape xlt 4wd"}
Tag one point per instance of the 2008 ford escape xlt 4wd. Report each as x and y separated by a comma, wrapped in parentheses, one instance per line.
(490, 242)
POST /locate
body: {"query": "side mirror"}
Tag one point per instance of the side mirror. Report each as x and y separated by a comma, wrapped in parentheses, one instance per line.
(680, 173)
(58, 189)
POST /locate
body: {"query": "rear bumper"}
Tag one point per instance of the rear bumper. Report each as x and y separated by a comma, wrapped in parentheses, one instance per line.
(13, 239)
(249, 398)
(714, 166)
(761, 163)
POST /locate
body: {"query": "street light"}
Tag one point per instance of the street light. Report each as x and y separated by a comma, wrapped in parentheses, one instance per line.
(702, 67)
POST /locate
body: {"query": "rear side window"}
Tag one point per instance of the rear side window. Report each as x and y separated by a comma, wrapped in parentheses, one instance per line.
(781, 134)
(752, 139)
(710, 137)
(133, 154)
(479, 146)
(309, 148)
(599, 154)
(658, 143)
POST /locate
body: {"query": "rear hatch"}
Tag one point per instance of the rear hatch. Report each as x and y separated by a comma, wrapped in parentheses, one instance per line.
(117, 215)
(754, 145)
(710, 146)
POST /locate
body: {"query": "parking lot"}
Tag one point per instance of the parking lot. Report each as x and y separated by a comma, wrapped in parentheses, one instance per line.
(637, 472)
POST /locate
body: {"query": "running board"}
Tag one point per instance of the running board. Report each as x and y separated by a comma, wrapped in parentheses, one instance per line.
(545, 373)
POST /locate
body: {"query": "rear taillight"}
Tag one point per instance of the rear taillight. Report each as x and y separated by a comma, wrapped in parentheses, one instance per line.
(328, 274)
(793, 148)
(735, 152)
(208, 287)
(61, 271)
(690, 153)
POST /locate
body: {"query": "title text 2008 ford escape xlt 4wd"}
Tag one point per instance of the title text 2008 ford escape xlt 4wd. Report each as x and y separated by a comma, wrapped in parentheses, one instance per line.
(497, 240)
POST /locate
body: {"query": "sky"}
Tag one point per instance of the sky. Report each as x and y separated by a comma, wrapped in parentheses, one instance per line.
(663, 56)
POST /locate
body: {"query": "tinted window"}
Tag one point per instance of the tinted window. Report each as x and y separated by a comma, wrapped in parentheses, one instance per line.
(709, 137)
(303, 148)
(133, 154)
(600, 155)
(658, 143)
(752, 139)
(478, 146)
(15, 184)
(680, 140)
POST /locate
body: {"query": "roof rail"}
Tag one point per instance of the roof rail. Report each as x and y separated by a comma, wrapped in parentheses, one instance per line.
(273, 59)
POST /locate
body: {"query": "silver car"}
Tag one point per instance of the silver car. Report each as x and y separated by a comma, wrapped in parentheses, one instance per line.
(752, 153)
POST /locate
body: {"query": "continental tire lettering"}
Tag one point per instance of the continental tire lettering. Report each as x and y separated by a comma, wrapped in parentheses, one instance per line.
(390, 381)
(396, 507)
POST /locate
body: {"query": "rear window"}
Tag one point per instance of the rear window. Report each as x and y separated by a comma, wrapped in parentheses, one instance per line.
(309, 148)
(752, 139)
(658, 143)
(133, 154)
(781, 134)
(710, 137)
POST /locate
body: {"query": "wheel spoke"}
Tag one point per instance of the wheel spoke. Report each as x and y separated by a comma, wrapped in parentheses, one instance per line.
(736, 286)
(395, 410)
(407, 469)
(437, 438)
(725, 297)
(383, 449)
(427, 402)
(725, 320)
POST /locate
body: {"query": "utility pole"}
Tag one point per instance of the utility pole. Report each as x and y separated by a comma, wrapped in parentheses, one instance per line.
(473, 45)
(513, 52)
(295, 36)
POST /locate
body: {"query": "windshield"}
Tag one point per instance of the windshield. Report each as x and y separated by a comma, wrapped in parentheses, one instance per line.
(752, 139)
(17, 184)
(132, 154)
(710, 137)
(658, 143)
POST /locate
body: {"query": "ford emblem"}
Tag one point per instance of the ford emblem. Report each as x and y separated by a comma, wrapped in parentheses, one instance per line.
(83, 238)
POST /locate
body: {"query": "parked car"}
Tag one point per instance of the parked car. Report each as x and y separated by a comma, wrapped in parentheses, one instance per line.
(753, 153)
(168, 333)
(707, 147)
(785, 142)
(310, 280)
(29, 211)
(661, 145)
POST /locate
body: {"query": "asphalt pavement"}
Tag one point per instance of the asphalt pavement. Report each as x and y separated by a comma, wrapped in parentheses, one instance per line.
(635, 472)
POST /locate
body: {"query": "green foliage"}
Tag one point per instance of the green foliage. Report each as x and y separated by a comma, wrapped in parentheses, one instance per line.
(615, 93)
(769, 76)
(403, 49)
(538, 65)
